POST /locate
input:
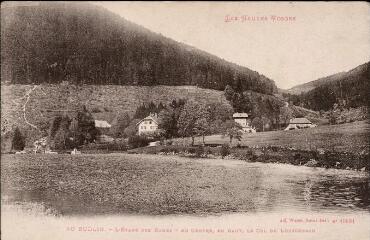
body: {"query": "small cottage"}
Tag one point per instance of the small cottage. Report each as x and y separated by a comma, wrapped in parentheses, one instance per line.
(244, 121)
(298, 123)
(104, 128)
(102, 124)
(148, 125)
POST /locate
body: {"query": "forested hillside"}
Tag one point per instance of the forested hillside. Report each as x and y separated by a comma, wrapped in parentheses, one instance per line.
(86, 44)
(305, 87)
(349, 89)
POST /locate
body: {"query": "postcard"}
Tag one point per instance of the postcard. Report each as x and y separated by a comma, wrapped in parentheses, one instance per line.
(185, 120)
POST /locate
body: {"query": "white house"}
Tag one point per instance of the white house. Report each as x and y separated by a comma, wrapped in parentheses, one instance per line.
(242, 119)
(298, 123)
(148, 125)
(102, 124)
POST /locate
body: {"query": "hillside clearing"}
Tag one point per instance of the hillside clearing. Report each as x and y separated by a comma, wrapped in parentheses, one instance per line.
(46, 101)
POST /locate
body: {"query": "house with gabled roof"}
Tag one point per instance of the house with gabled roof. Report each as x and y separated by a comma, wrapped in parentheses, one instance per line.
(244, 121)
(298, 123)
(148, 125)
(104, 128)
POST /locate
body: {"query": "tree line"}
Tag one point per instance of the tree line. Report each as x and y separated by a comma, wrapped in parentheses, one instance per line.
(180, 118)
(72, 130)
(84, 44)
(266, 112)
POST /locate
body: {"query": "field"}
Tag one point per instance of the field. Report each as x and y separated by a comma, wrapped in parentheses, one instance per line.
(349, 137)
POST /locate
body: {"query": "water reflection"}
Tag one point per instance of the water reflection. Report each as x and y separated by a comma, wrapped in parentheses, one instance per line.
(216, 189)
(331, 192)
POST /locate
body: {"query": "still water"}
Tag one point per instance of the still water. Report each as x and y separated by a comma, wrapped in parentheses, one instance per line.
(262, 201)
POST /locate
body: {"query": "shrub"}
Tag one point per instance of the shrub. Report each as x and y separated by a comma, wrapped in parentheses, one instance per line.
(225, 150)
(163, 150)
(138, 141)
(191, 150)
(199, 151)
(113, 146)
(96, 110)
(209, 151)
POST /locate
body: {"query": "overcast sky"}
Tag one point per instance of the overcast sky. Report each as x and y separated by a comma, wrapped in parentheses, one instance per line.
(324, 38)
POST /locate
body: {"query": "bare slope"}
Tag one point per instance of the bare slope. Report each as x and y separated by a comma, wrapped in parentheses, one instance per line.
(45, 101)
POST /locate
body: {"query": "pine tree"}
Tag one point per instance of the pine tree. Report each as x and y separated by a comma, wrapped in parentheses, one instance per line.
(18, 142)
(61, 138)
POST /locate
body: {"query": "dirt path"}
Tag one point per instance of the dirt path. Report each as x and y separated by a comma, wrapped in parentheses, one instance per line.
(28, 95)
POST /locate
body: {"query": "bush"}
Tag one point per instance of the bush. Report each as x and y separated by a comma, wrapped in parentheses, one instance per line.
(112, 146)
(199, 151)
(138, 141)
(225, 150)
(96, 110)
(209, 151)
(191, 150)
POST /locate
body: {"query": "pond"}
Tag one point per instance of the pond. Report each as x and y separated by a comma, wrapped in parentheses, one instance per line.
(147, 191)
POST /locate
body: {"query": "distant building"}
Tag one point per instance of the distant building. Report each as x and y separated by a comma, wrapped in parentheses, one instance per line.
(148, 125)
(244, 121)
(102, 124)
(104, 128)
(298, 123)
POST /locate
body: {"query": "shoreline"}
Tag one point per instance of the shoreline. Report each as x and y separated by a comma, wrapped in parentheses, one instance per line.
(270, 154)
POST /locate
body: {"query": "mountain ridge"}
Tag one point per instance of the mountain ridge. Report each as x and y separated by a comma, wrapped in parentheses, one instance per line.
(348, 89)
(87, 44)
(305, 87)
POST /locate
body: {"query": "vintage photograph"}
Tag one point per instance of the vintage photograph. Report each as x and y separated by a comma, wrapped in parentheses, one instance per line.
(185, 120)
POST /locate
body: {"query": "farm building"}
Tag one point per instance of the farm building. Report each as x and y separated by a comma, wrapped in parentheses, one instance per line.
(244, 121)
(298, 123)
(148, 125)
(102, 124)
(103, 127)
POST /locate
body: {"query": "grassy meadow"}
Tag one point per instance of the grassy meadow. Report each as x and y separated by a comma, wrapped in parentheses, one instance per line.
(348, 137)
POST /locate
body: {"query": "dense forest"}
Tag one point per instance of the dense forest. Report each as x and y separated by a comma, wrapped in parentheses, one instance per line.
(351, 89)
(85, 44)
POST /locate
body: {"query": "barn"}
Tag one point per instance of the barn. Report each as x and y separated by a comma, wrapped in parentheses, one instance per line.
(299, 123)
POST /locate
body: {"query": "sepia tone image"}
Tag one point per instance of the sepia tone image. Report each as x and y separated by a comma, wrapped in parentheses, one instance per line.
(185, 120)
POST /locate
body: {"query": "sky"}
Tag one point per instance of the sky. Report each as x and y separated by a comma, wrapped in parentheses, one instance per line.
(319, 39)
